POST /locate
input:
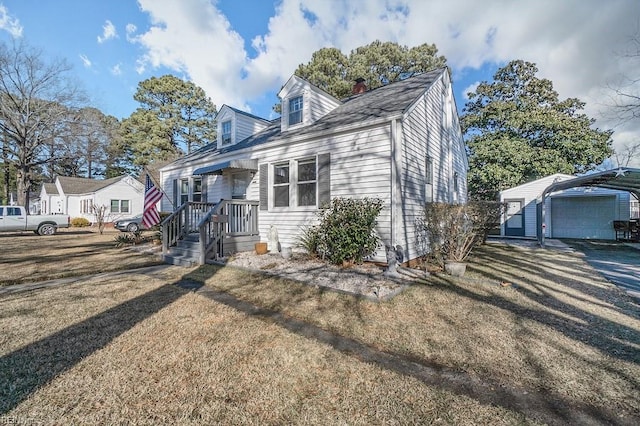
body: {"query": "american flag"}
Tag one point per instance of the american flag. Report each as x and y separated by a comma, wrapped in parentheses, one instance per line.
(152, 195)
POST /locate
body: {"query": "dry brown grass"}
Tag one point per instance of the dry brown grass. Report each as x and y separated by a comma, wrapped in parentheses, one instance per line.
(26, 257)
(557, 344)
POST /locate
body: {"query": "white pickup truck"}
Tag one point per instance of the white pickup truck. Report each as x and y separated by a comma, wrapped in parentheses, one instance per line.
(14, 218)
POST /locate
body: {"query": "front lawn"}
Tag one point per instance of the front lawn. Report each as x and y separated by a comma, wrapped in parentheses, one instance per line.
(527, 336)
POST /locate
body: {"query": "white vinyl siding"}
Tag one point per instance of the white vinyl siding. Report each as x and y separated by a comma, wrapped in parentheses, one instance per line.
(359, 166)
(248, 125)
(241, 126)
(440, 142)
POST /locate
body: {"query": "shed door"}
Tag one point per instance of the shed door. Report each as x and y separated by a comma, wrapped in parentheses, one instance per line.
(514, 220)
(583, 217)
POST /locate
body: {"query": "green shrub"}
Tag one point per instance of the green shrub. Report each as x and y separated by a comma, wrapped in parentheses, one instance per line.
(309, 239)
(80, 222)
(345, 232)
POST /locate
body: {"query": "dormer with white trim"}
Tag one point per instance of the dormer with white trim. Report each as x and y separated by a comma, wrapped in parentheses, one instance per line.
(303, 103)
(235, 125)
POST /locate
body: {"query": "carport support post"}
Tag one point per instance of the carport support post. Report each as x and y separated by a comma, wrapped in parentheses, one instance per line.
(543, 220)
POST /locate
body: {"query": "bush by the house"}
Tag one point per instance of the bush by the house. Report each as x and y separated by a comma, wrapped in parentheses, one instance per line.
(485, 216)
(345, 232)
(449, 231)
(80, 222)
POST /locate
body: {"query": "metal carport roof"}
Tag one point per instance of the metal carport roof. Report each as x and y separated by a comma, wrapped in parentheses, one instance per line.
(622, 178)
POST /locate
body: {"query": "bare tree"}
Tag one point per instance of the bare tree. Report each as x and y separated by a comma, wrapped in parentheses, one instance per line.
(38, 100)
(625, 98)
(625, 155)
(100, 212)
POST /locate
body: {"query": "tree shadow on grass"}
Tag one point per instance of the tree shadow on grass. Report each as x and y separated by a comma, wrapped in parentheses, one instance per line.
(25, 370)
(545, 407)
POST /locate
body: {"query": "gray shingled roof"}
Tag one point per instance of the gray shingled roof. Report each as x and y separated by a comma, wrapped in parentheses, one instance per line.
(75, 185)
(384, 102)
(51, 188)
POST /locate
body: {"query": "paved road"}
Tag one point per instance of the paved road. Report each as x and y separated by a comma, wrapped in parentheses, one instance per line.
(617, 262)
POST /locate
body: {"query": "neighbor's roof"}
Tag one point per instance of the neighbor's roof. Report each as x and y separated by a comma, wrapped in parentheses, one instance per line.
(75, 185)
(383, 102)
(622, 178)
(51, 188)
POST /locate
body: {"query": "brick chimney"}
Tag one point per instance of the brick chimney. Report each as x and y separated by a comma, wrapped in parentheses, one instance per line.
(359, 87)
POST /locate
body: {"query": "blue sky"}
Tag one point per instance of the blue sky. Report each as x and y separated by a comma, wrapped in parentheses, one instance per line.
(242, 51)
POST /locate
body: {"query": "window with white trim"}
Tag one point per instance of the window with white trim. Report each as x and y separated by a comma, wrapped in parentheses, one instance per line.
(120, 206)
(281, 179)
(226, 132)
(307, 182)
(295, 110)
(184, 191)
(428, 179)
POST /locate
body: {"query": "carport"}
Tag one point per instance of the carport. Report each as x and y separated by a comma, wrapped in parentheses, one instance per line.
(622, 178)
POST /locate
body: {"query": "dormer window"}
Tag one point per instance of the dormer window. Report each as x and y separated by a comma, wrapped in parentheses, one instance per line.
(295, 110)
(226, 132)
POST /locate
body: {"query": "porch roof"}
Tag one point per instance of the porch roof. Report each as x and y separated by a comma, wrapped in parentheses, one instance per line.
(216, 169)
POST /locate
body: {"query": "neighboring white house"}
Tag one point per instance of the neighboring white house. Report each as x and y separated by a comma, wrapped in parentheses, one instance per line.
(123, 196)
(582, 212)
(401, 142)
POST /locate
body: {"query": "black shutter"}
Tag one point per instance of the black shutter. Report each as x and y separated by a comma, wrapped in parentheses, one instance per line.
(175, 195)
(264, 186)
(324, 179)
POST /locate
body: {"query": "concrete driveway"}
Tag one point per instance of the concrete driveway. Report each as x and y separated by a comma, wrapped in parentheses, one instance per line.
(618, 262)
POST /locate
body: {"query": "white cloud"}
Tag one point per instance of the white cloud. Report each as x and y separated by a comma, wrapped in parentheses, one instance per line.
(108, 32)
(131, 31)
(85, 61)
(10, 24)
(573, 42)
(116, 69)
(470, 89)
(194, 38)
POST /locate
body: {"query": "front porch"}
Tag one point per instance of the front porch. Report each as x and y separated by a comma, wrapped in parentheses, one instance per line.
(198, 233)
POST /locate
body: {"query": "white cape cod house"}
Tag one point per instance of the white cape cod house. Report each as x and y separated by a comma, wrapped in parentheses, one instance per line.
(123, 196)
(401, 142)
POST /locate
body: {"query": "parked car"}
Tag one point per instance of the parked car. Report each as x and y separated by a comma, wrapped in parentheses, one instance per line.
(15, 218)
(133, 224)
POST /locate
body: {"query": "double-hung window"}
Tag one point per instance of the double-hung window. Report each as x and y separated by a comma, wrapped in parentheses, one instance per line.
(226, 132)
(120, 206)
(281, 180)
(295, 183)
(295, 110)
(184, 191)
(428, 179)
(307, 182)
